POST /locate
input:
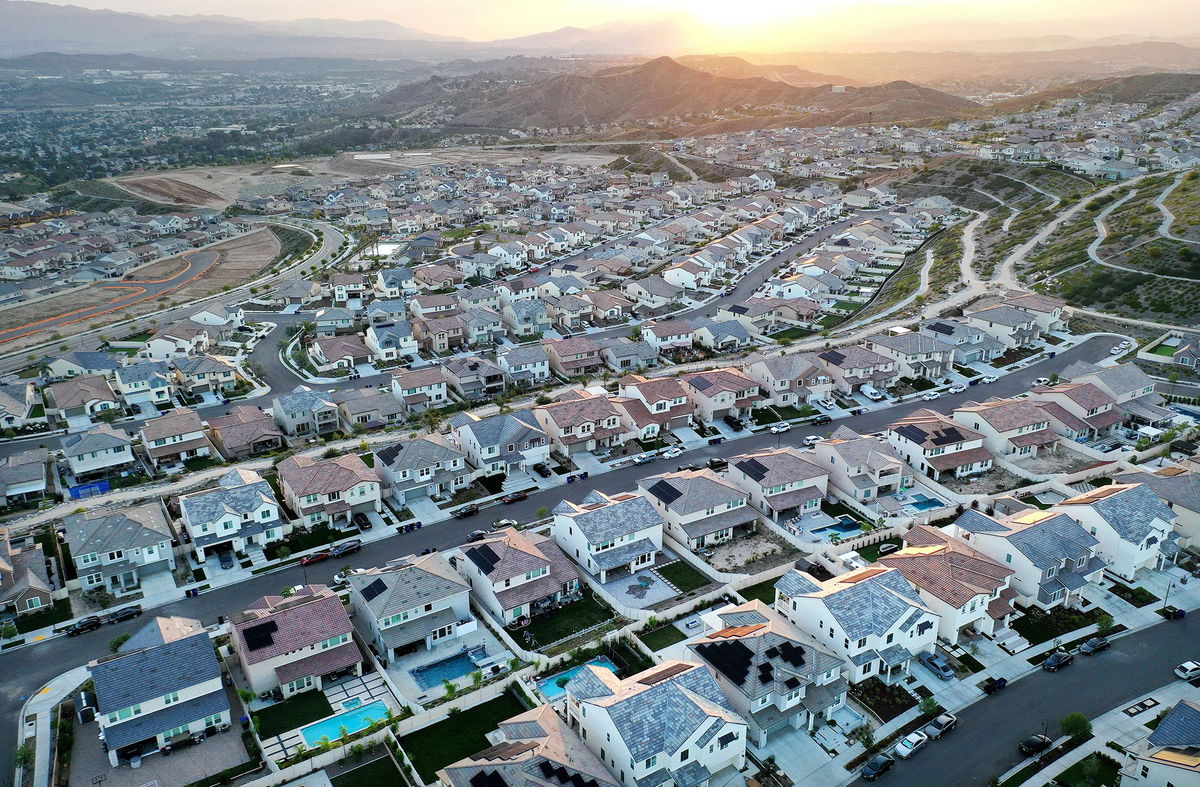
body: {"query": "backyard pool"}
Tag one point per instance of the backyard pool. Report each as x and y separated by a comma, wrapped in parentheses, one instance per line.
(353, 721)
(552, 687)
(844, 526)
(924, 502)
(453, 667)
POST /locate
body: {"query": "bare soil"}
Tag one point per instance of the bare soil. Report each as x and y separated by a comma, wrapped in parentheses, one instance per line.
(159, 269)
(172, 190)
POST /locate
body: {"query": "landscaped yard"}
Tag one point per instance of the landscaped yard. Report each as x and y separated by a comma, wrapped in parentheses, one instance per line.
(662, 637)
(1038, 626)
(1093, 770)
(298, 541)
(47, 617)
(683, 577)
(550, 627)
(459, 736)
(380, 771)
(887, 701)
(1165, 351)
(1139, 597)
(763, 591)
(296, 711)
(791, 333)
(870, 553)
(198, 463)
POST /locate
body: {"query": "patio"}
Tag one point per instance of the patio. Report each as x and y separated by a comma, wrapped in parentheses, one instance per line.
(343, 696)
(644, 588)
(400, 669)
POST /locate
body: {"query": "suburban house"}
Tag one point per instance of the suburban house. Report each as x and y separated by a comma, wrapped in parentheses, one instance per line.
(573, 357)
(583, 423)
(790, 380)
(517, 574)
(1077, 411)
(85, 396)
(362, 409)
(24, 584)
(338, 352)
(420, 389)
(329, 491)
(775, 676)
(1133, 525)
(411, 604)
(965, 588)
(102, 450)
(81, 364)
(201, 374)
(938, 446)
(669, 726)
(391, 341)
(1053, 556)
(667, 335)
(916, 354)
(609, 534)
(871, 618)
(783, 483)
(245, 432)
(295, 643)
(474, 378)
(146, 383)
(160, 687)
(971, 343)
(524, 365)
(507, 443)
(716, 393)
(662, 400)
(305, 412)
(425, 467)
(1011, 428)
(114, 549)
(701, 508)
(1011, 327)
(854, 366)
(862, 468)
(1167, 756)
(175, 438)
(18, 403)
(1131, 388)
(1179, 488)
(240, 511)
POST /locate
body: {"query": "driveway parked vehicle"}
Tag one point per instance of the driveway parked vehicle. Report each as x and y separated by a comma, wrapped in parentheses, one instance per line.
(361, 520)
(910, 744)
(346, 548)
(1057, 660)
(940, 726)
(734, 423)
(877, 766)
(541, 469)
(225, 558)
(938, 665)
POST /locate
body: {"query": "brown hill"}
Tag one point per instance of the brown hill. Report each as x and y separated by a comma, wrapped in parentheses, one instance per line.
(1154, 90)
(738, 68)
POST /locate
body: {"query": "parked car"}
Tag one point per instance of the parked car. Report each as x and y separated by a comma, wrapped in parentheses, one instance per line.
(872, 393)
(644, 459)
(1094, 645)
(910, 744)
(734, 423)
(476, 535)
(877, 766)
(958, 388)
(125, 613)
(1188, 670)
(813, 439)
(346, 548)
(1116, 350)
(90, 623)
(820, 420)
(929, 397)
(717, 463)
(1057, 660)
(1034, 744)
(500, 524)
(988, 378)
(826, 403)
(541, 469)
(470, 509)
(514, 497)
(1042, 381)
(940, 726)
(938, 665)
(315, 557)
(225, 558)
(780, 428)
(361, 520)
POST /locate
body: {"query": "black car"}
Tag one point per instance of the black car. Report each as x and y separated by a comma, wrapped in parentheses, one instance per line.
(877, 766)
(90, 623)
(1057, 660)
(477, 535)
(226, 558)
(541, 469)
(361, 520)
(681, 468)
(734, 423)
(471, 509)
(345, 548)
(126, 613)
(1034, 744)
(717, 463)
(1094, 645)
(821, 419)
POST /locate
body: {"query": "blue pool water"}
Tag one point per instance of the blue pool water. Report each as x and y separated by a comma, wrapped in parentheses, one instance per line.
(844, 526)
(924, 502)
(551, 687)
(351, 703)
(453, 667)
(353, 721)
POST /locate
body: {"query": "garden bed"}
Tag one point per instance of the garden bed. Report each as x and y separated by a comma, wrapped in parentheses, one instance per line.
(885, 701)
(1038, 626)
(1139, 597)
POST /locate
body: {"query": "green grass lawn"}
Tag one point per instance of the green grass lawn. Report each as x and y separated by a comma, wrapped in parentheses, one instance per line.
(296, 711)
(763, 591)
(788, 413)
(1092, 770)
(1164, 350)
(550, 627)
(1037, 626)
(683, 576)
(459, 736)
(792, 333)
(298, 541)
(198, 463)
(381, 771)
(764, 415)
(1139, 597)
(662, 637)
(47, 617)
(871, 553)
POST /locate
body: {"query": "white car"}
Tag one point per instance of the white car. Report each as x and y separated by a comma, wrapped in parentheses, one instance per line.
(1188, 670)
(929, 397)
(989, 378)
(780, 428)
(956, 389)
(813, 439)
(827, 404)
(1116, 350)
(672, 452)
(1042, 381)
(911, 744)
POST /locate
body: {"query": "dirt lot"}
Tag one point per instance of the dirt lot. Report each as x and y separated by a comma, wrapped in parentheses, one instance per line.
(172, 190)
(161, 269)
(241, 259)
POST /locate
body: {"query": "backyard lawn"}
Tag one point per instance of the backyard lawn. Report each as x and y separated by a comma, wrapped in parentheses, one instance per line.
(683, 577)
(662, 637)
(870, 553)
(550, 627)
(380, 771)
(1093, 770)
(296, 711)
(459, 736)
(763, 591)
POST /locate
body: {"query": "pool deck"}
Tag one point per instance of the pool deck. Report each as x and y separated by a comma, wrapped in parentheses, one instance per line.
(365, 689)
(413, 693)
(628, 590)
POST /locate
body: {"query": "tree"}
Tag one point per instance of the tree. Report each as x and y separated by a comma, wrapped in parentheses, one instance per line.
(928, 706)
(542, 513)
(1104, 624)
(1173, 378)
(635, 333)
(116, 642)
(24, 756)
(1076, 726)
(8, 631)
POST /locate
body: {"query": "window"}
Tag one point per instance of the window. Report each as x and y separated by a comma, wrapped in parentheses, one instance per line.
(1082, 559)
(1008, 558)
(650, 763)
(683, 756)
(116, 554)
(171, 699)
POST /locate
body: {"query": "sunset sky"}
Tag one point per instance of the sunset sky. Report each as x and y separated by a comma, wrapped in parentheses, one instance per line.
(721, 24)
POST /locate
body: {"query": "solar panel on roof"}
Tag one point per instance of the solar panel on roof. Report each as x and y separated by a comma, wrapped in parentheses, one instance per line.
(947, 436)
(484, 557)
(941, 327)
(260, 636)
(374, 589)
(911, 432)
(700, 383)
(488, 779)
(792, 682)
(772, 653)
(833, 356)
(752, 468)
(665, 492)
(731, 659)
(793, 654)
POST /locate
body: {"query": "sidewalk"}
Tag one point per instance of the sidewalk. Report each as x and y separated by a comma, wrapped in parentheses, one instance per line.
(41, 707)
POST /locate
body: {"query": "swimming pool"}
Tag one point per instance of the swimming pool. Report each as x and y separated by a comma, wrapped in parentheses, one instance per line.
(552, 687)
(924, 502)
(453, 667)
(844, 526)
(353, 721)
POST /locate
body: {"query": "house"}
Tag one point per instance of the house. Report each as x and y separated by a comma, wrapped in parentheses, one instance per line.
(241, 510)
(575, 357)
(507, 443)
(1077, 411)
(17, 405)
(720, 335)
(1048, 312)
(102, 450)
(245, 432)
(179, 340)
(391, 310)
(78, 397)
(669, 725)
(148, 382)
(716, 393)
(938, 446)
(667, 335)
(700, 508)
(623, 355)
(916, 354)
(175, 438)
(1012, 327)
(346, 286)
(782, 483)
(411, 604)
(1179, 488)
(362, 409)
(1051, 553)
(305, 412)
(529, 745)
(525, 317)
(79, 364)
(328, 353)
(421, 389)
(854, 366)
(425, 467)
(335, 320)
(964, 587)
(1131, 388)
(971, 343)
(652, 292)
(1133, 525)
(517, 574)
(789, 380)
(201, 374)
(585, 422)
(440, 334)
(1013, 428)
(862, 468)
(524, 365)
(775, 676)
(329, 491)
(394, 282)
(295, 643)
(161, 686)
(474, 378)
(609, 534)
(25, 585)
(1167, 756)
(871, 618)
(114, 549)
(23, 476)
(661, 401)
(391, 341)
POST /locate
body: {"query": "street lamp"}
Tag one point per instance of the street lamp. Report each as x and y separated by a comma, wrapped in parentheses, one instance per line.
(1167, 595)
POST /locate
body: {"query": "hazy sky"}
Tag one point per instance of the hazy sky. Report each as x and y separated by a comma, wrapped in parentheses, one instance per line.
(773, 23)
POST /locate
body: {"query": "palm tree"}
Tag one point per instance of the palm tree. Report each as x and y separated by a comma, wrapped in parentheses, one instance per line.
(432, 419)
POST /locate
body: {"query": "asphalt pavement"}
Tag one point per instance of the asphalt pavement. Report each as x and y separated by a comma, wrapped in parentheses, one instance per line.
(27, 669)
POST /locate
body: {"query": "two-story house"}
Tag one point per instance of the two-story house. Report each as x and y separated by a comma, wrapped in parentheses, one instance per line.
(1131, 522)
(516, 575)
(80, 398)
(584, 422)
(575, 357)
(25, 585)
(245, 432)
(1077, 411)
(782, 483)
(915, 354)
(426, 467)
(114, 548)
(100, 451)
(148, 382)
(938, 446)
(506, 443)
(329, 491)
(854, 366)
(971, 343)
(609, 534)
(420, 389)
(1167, 756)
(524, 365)
(862, 468)
(305, 412)
(241, 510)
(789, 380)
(391, 341)
(663, 400)
(1130, 387)
(201, 374)
(1011, 428)
(174, 438)
(474, 378)
(701, 509)
(716, 393)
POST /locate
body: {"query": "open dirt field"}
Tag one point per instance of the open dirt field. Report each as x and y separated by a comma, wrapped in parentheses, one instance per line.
(241, 259)
(407, 159)
(172, 190)
(161, 269)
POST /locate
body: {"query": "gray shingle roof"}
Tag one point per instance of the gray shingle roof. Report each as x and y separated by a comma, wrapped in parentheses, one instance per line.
(614, 518)
(1179, 729)
(122, 529)
(139, 728)
(871, 605)
(238, 494)
(689, 491)
(1131, 511)
(409, 583)
(1052, 540)
(146, 668)
(415, 454)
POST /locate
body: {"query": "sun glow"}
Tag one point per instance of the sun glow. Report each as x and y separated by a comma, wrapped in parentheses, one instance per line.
(722, 14)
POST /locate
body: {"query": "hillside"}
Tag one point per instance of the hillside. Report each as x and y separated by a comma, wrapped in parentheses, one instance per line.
(738, 68)
(1154, 90)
